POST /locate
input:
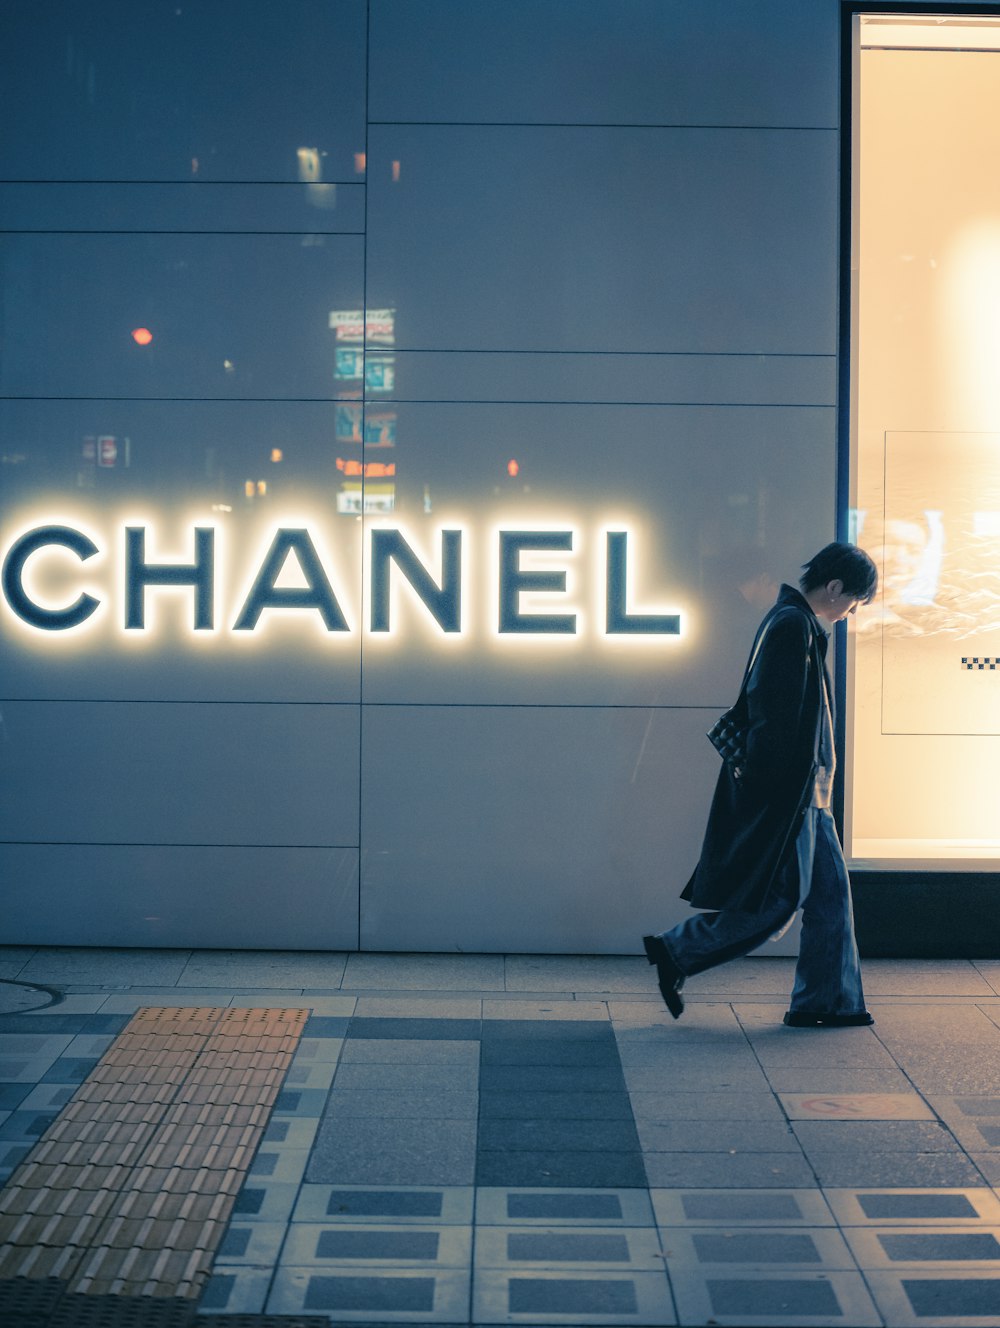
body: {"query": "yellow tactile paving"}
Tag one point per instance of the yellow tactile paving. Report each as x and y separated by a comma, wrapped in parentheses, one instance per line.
(130, 1189)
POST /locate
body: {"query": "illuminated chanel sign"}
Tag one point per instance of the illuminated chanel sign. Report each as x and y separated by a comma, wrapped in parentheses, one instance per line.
(529, 599)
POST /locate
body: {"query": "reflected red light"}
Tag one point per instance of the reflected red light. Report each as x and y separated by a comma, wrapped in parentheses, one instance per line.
(142, 336)
(512, 468)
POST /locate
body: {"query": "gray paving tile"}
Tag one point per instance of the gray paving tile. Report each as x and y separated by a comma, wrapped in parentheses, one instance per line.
(308, 1102)
(263, 969)
(917, 1206)
(262, 1200)
(733, 1106)
(892, 1247)
(501, 1297)
(988, 1164)
(413, 1051)
(562, 1105)
(310, 1074)
(749, 978)
(562, 1247)
(802, 1079)
(859, 1137)
(714, 1170)
(958, 1299)
(290, 1132)
(925, 977)
(419, 1007)
(723, 1078)
(360, 1294)
(439, 1205)
(252, 1244)
(278, 1164)
(379, 1104)
(558, 1005)
(413, 972)
(838, 1170)
(394, 1152)
(772, 1299)
(715, 1136)
(770, 1247)
(406, 1078)
(111, 967)
(387, 1245)
(587, 973)
(563, 1207)
(236, 1290)
(702, 1017)
(729, 1054)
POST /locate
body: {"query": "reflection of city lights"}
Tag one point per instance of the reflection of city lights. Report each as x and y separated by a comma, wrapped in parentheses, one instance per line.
(277, 454)
(512, 468)
(360, 163)
(395, 172)
(142, 336)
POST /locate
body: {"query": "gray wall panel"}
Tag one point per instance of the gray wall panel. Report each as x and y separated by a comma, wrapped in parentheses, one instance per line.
(155, 895)
(180, 774)
(653, 377)
(589, 239)
(116, 90)
(232, 315)
(529, 828)
(600, 61)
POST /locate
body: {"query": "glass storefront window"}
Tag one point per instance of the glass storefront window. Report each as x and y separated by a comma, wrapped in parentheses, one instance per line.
(924, 692)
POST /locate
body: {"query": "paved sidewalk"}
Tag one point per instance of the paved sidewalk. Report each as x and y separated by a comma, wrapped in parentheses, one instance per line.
(486, 1139)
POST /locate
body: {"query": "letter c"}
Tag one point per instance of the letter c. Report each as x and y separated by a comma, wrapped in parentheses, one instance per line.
(49, 620)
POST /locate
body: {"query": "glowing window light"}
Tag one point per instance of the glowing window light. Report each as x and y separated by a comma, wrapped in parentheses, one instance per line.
(142, 336)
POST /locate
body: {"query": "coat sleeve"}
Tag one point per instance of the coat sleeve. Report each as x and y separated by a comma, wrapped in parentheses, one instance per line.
(777, 748)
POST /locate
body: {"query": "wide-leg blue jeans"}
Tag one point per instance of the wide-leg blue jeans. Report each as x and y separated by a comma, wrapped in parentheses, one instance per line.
(828, 972)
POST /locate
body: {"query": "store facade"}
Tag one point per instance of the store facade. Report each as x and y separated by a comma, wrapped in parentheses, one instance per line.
(409, 407)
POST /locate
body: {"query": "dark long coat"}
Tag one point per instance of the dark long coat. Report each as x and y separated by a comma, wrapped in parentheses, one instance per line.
(755, 818)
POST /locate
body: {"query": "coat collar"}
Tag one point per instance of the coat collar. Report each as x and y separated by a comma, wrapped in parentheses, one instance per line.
(788, 596)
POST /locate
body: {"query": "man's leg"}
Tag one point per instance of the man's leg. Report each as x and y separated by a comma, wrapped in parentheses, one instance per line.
(828, 973)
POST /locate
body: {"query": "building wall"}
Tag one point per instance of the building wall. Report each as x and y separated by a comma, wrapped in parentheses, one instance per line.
(607, 230)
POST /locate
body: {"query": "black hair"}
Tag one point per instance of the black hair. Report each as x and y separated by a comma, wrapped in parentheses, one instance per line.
(845, 563)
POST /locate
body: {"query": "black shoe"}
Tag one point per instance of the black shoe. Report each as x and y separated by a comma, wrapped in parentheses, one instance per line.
(669, 976)
(819, 1019)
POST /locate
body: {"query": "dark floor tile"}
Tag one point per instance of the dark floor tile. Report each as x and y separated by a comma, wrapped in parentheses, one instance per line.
(564, 1207)
(565, 1106)
(325, 1026)
(550, 1078)
(776, 1296)
(385, 1203)
(893, 1207)
(952, 1297)
(585, 1170)
(68, 1070)
(13, 1094)
(550, 1051)
(544, 1030)
(43, 1024)
(587, 1136)
(535, 1295)
(395, 1295)
(26, 1124)
(940, 1245)
(453, 1030)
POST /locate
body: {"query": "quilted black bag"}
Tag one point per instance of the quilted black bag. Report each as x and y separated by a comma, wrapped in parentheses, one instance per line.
(728, 735)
